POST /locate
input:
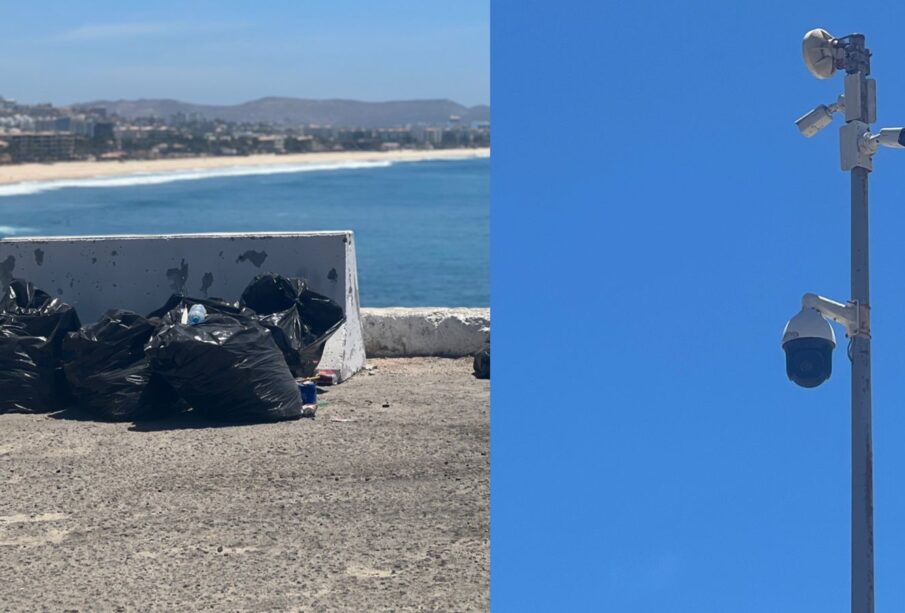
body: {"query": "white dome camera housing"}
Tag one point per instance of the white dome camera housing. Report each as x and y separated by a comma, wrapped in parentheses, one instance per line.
(808, 341)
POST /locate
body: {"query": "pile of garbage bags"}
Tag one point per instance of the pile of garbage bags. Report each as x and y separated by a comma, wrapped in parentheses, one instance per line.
(236, 362)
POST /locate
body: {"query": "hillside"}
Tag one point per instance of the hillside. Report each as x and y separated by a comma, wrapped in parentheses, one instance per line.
(300, 111)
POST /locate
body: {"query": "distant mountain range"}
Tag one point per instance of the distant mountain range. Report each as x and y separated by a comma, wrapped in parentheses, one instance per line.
(300, 111)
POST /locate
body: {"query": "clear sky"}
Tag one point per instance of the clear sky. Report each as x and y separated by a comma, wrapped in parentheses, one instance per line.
(229, 51)
(649, 453)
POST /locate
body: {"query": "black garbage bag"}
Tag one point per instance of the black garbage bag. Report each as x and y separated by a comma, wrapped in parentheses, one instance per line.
(228, 368)
(39, 314)
(109, 373)
(481, 363)
(33, 327)
(27, 372)
(301, 321)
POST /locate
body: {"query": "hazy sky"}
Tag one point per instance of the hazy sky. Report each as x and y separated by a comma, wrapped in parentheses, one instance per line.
(230, 51)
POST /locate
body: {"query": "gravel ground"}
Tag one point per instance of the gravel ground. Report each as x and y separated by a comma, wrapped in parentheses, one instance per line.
(384, 510)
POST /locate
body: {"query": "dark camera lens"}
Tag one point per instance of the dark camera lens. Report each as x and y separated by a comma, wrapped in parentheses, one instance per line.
(809, 361)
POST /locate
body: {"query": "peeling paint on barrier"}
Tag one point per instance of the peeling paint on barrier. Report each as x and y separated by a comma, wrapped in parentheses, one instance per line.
(255, 257)
(206, 281)
(6, 270)
(178, 277)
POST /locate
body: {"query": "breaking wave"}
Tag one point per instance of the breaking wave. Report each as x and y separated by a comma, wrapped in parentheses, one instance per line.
(36, 187)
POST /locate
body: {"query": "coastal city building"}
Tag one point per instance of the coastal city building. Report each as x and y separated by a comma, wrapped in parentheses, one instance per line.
(43, 132)
(39, 146)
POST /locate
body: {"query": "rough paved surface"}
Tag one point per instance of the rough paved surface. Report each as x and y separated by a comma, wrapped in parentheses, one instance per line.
(385, 512)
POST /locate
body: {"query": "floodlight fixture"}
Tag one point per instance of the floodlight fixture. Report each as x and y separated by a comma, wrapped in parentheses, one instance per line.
(819, 52)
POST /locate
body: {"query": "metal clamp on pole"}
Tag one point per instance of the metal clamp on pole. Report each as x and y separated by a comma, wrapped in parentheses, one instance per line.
(863, 320)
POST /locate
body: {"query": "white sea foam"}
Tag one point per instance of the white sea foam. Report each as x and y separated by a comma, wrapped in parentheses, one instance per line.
(14, 230)
(36, 187)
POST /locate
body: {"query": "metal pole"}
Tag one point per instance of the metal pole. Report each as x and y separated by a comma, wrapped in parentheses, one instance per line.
(862, 447)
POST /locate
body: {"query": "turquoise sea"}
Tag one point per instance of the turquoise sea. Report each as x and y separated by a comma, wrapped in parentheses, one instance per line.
(422, 228)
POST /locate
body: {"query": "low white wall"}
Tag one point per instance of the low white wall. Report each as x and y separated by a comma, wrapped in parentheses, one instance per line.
(409, 332)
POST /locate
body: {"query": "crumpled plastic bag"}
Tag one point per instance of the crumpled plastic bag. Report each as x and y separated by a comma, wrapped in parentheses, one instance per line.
(302, 321)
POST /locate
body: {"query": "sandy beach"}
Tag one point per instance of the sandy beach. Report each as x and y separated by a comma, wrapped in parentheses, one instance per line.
(60, 171)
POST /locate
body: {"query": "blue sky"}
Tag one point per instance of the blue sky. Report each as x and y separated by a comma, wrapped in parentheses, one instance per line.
(232, 51)
(650, 240)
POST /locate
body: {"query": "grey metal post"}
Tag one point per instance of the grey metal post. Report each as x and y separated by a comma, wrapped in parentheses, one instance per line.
(823, 55)
(862, 446)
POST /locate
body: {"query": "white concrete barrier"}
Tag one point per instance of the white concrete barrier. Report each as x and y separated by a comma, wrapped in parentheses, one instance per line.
(409, 332)
(97, 273)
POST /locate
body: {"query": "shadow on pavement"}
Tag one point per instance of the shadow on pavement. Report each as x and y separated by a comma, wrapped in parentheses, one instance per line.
(186, 420)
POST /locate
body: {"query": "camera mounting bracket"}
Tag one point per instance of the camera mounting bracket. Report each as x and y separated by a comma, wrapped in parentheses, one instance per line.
(852, 315)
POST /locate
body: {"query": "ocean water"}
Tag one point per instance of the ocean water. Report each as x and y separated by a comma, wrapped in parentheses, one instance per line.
(422, 228)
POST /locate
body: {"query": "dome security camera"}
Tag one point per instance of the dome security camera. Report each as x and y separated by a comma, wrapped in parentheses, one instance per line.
(808, 341)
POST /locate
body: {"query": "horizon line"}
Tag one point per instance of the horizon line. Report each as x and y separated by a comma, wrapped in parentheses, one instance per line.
(247, 101)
